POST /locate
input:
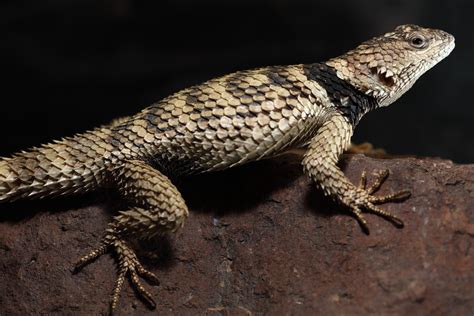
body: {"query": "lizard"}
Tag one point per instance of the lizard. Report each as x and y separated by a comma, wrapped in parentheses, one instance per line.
(223, 123)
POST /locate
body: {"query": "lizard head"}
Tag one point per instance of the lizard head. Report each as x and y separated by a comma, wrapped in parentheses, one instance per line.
(387, 66)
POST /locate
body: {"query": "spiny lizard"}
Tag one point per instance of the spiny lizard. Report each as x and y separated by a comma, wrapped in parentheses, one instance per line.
(223, 123)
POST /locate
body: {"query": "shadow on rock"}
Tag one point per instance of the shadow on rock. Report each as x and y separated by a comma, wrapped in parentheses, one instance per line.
(22, 210)
(240, 189)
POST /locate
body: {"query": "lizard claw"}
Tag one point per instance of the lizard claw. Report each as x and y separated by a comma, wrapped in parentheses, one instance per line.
(370, 201)
(128, 263)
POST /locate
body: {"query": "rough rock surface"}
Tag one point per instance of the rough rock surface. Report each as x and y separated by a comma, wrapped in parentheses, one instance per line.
(260, 240)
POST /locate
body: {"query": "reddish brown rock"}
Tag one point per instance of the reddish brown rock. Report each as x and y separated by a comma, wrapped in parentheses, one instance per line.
(260, 239)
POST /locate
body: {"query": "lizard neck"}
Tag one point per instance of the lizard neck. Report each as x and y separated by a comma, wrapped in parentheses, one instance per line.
(344, 97)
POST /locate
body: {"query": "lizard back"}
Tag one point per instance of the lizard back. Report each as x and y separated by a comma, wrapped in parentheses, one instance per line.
(224, 122)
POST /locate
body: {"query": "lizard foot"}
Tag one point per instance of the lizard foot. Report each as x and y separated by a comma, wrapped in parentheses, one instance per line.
(127, 264)
(369, 201)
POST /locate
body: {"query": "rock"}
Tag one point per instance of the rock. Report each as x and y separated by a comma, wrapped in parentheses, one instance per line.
(260, 239)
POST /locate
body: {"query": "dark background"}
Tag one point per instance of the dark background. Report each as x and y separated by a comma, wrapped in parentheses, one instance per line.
(70, 65)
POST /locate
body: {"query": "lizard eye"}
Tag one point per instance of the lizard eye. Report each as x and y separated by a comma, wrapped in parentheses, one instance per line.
(418, 41)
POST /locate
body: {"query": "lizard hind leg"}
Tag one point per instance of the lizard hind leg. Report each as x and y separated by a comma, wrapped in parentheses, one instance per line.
(157, 208)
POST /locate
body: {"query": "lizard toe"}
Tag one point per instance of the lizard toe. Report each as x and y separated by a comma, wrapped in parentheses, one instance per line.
(381, 176)
(131, 266)
(128, 265)
(387, 215)
(90, 257)
(394, 197)
(367, 201)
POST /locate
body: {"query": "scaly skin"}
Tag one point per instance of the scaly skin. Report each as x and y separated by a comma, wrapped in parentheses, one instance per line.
(226, 122)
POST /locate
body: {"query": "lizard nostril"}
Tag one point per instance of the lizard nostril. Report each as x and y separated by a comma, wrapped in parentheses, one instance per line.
(448, 36)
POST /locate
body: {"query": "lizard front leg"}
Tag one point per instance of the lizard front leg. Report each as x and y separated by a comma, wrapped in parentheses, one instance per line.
(156, 208)
(320, 162)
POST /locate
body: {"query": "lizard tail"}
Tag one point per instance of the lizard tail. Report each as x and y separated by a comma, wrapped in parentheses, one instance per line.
(71, 165)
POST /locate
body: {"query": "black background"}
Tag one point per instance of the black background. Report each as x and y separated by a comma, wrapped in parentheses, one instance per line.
(70, 65)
